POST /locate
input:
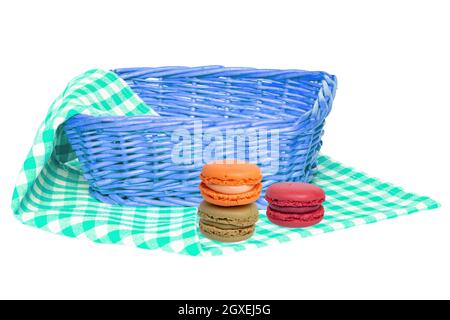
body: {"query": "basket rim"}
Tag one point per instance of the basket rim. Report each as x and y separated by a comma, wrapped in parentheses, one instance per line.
(314, 115)
(316, 112)
(215, 71)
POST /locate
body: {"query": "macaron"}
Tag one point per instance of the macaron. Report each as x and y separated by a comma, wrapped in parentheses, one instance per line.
(295, 204)
(230, 183)
(227, 224)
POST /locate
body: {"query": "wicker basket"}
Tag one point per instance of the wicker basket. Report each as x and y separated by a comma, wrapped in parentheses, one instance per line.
(129, 160)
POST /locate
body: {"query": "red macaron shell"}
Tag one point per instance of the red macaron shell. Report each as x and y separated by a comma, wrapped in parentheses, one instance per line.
(295, 220)
(294, 194)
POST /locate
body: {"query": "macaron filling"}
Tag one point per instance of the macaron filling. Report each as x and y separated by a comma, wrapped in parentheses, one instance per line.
(224, 226)
(227, 200)
(226, 189)
(300, 210)
(295, 220)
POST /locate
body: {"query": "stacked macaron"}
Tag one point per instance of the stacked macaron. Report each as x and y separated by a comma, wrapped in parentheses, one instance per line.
(230, 189)
(295, 204)
(227, 224)
(230, 183)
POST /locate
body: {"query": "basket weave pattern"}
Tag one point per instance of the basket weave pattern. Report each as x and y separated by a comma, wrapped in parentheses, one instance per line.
(128, 160)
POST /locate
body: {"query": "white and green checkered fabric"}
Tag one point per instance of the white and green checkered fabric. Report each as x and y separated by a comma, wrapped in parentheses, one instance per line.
(51, 193)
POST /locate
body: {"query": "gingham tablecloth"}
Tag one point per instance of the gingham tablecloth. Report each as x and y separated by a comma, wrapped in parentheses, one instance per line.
(51, 193)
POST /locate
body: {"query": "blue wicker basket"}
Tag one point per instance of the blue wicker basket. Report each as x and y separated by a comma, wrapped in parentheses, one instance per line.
(130, 160)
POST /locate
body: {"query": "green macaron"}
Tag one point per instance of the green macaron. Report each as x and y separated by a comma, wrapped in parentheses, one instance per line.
(227, 224)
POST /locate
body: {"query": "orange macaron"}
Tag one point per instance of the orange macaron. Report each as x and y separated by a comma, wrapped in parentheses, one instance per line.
(230, 183)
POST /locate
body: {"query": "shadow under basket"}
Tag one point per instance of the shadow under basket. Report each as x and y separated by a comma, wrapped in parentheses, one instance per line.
(274, 118)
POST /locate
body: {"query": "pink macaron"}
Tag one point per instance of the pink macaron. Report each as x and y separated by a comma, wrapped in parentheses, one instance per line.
(295, 204)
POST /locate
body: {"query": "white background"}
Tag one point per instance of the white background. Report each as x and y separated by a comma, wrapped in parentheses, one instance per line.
(390, 119)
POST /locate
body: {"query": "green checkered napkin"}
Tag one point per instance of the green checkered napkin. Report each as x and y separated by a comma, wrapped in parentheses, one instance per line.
(51, 193)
